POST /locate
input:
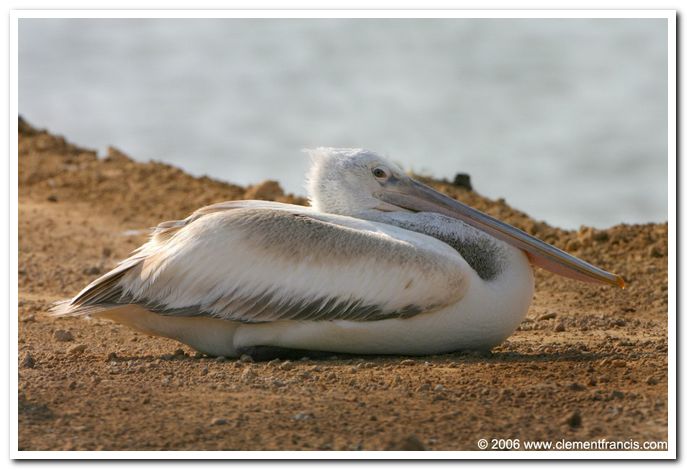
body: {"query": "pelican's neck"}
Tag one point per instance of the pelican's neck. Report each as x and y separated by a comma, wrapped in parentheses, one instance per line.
(484, 253)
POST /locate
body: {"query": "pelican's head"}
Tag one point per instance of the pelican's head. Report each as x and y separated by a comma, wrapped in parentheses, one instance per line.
(356, 182)
(345, 181)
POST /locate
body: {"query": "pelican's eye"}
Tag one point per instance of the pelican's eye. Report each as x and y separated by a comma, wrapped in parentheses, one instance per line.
(379, 173)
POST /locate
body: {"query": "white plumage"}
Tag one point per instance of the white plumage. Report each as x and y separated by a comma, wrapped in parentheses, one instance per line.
(367, 269)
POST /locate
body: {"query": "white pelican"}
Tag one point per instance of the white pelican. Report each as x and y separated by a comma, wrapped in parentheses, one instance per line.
(379, 264)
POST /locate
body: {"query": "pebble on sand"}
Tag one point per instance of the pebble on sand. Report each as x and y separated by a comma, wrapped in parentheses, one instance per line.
(78, 349)
(546, 316)
(248, 375)
(28, 362)
(246, 358)
(655, 251)
(573, 245)
(92, 270)
(409, 443)
(574, 419)
(462, 180)
(63, 335)
(303, 416)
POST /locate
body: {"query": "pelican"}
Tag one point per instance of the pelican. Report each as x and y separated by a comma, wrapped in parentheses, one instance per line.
(378, 264)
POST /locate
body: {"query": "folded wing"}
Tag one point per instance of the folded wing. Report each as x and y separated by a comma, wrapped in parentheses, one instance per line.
(253, 261)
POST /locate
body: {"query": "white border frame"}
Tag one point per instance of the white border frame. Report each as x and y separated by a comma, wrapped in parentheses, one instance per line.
(16, 15)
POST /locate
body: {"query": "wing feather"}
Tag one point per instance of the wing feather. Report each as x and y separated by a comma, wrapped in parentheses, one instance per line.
(253, 261)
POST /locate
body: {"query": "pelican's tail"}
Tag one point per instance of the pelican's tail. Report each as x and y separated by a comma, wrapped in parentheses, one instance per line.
(108, 291)
(66, 308)
(61, 308)
(105, 293)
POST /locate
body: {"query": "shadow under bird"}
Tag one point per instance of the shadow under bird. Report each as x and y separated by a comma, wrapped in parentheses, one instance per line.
(379, 264)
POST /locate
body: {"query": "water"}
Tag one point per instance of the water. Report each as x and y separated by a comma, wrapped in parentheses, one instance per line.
(565, 119)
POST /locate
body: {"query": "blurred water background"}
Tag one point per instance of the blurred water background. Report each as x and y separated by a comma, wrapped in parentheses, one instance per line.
(564, 118)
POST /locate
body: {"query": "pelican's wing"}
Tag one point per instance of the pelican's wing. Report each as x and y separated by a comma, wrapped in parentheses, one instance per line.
(251, 261)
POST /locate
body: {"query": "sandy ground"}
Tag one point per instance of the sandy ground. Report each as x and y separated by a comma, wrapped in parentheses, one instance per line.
(588, 363)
